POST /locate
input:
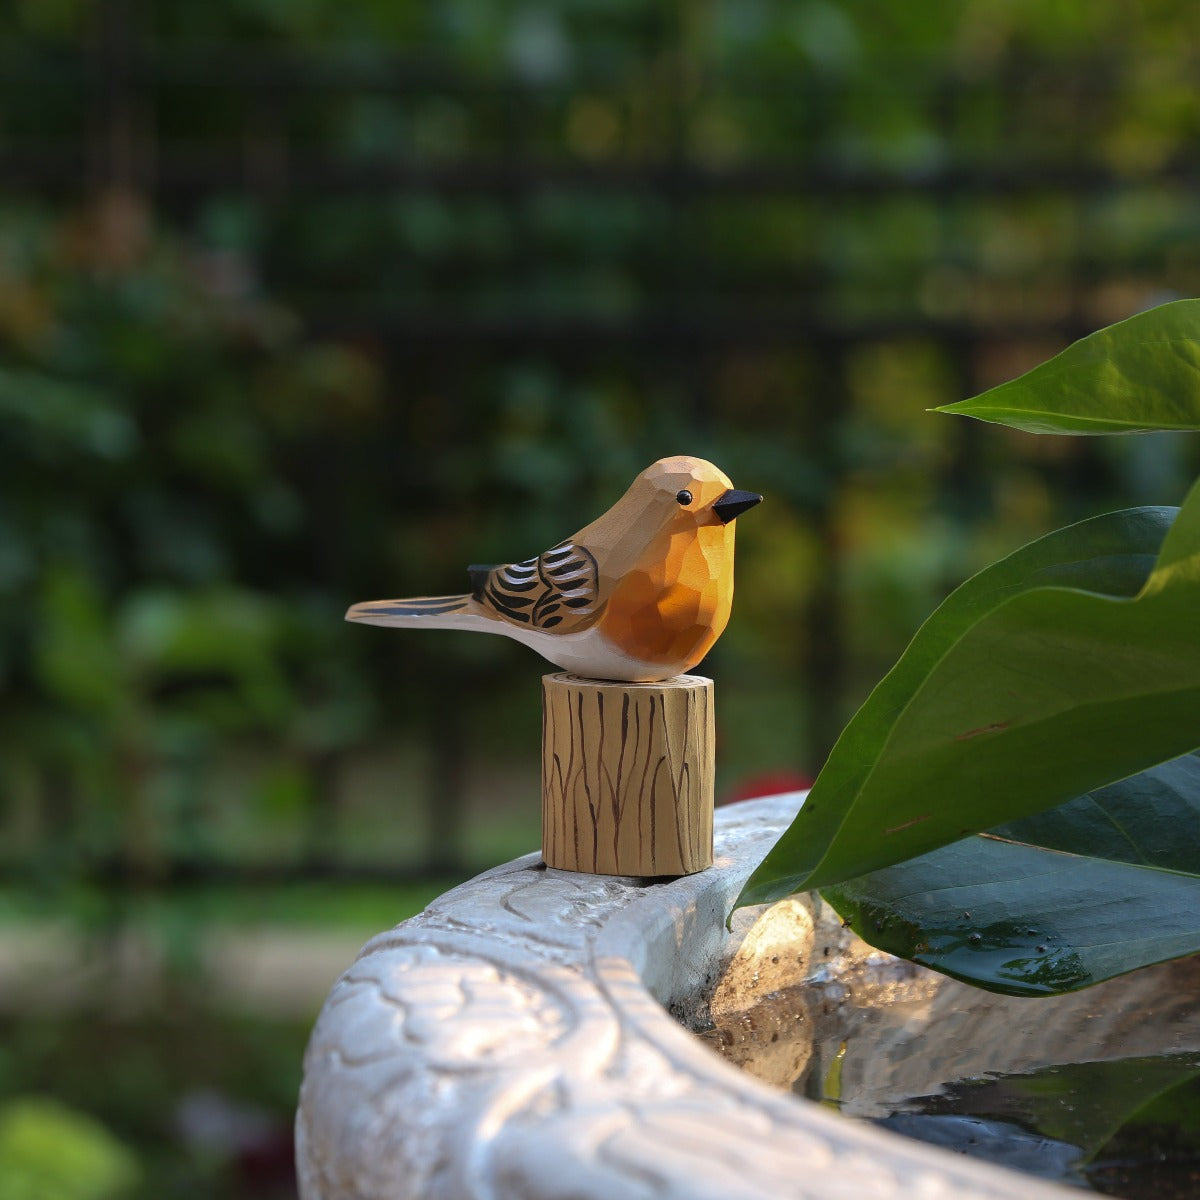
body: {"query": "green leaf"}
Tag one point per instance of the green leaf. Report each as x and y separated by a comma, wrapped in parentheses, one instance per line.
(1063, 667)
(1137, 376)
(1151, 819)
(1028, 907)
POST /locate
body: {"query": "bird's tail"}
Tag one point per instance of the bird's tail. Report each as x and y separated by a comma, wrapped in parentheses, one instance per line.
(432, 612)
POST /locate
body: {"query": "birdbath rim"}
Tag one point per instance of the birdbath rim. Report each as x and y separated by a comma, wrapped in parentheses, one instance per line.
(516, 1034)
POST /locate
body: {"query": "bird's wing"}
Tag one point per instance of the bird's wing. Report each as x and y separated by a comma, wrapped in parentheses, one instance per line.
(558, 590)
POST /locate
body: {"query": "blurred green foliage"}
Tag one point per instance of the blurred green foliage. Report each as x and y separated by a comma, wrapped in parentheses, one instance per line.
(348, 295)
(204, 1101)
(145, 494)
(49, 1152)
(305, 302)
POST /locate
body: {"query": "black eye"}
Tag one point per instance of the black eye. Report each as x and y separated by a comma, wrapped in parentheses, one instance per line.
(684, 497)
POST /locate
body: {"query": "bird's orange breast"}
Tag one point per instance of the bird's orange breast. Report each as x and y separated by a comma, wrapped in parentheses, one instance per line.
(675, 603)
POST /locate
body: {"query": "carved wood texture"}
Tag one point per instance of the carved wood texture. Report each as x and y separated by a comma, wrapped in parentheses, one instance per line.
(627, 775)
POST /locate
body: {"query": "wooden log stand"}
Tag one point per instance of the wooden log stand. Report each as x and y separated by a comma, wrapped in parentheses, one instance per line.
(627, 775)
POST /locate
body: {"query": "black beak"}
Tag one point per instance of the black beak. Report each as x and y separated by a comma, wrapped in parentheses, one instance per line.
(734, 503)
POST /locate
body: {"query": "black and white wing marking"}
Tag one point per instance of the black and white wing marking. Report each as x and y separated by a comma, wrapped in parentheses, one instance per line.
(558, 589)
(571, 584)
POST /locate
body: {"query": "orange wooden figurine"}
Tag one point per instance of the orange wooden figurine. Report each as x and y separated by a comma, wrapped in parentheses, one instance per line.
(640, 594)
(626, 606)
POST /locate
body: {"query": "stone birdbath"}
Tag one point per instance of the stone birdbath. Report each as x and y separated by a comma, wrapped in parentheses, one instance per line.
(525, 1037)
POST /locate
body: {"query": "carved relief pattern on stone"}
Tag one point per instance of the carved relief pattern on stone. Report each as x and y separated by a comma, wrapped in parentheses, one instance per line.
(511, 1042)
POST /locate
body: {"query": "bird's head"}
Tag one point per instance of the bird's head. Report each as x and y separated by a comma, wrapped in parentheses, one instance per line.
(685, 492)
(675, 497)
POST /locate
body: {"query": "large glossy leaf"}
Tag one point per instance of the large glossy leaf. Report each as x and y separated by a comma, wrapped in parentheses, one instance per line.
(1013, 698)
(1099, 886)
(1137, 376)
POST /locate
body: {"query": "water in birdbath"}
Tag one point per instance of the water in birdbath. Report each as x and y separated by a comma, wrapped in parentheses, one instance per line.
(1129, 1127)
(1098, 1089)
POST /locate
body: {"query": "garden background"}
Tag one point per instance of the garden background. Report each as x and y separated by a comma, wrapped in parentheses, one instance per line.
(304, 302)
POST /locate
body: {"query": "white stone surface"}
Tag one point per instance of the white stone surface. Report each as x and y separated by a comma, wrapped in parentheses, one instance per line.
(512, 1042)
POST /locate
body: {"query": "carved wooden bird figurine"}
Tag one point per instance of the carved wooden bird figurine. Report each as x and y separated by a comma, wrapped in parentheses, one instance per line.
(640, 594)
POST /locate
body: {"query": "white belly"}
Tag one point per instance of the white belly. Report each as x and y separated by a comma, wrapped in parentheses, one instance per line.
(589, 654)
